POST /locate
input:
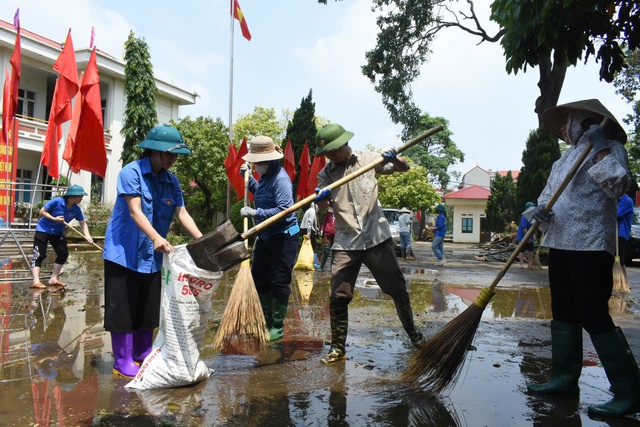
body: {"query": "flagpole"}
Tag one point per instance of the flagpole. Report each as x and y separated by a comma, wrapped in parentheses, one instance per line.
(230, 101)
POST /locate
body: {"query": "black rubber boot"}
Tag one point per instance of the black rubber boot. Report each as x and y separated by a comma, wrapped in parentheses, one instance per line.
(405, 314)
(280, 306)
(623, 373)
(265, 301)
(326, 251)
(566, 360)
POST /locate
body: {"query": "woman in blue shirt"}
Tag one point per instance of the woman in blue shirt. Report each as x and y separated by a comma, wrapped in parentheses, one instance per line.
(50, 229)
(148, 198)
(276, 247)
(440, 230)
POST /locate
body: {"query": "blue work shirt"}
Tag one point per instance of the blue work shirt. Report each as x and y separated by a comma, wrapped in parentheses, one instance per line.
(441, 226)
(272, 194)
(56, 207)
(125, 243)
(524, 225)
(625, 216)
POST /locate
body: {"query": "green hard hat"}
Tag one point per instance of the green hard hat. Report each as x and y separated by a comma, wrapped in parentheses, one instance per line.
(165, 139)
(75, 190)
(441, 208)
(331, 137)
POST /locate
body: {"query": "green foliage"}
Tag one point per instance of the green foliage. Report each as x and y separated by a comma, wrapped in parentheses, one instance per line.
(97, 216)
(409, 189)
(502, 206)
(202, 177)
(302, 127)
(140, 114)
(262, 121)
(435, 153)
(537, 158)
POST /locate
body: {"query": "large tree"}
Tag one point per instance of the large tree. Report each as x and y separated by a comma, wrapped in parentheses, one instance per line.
(139, 89)
(435, 153)
(262, 121)
(537, 158)
(409, 189)
(302, 126)
(203, 180)
(501, 207)
(548, 34)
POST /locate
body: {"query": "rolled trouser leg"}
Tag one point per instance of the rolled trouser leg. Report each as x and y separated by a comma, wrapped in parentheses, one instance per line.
(566, 360)
(623, 374)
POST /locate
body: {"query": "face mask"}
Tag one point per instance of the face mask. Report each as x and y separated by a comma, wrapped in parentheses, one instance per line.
(575, 128)
(262, 169)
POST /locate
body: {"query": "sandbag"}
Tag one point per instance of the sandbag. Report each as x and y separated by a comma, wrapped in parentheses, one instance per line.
(305, 257)
(185, 309)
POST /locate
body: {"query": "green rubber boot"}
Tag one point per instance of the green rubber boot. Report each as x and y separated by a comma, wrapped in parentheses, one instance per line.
(326, 251)
(265, 301)
(280, 306)
(623, 373)
(566, 360)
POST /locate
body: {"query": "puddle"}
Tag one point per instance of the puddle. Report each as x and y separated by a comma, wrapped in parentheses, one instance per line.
(56, 361)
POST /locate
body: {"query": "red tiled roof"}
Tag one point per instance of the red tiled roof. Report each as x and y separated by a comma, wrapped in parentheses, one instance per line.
(514, 174)
(470, 192)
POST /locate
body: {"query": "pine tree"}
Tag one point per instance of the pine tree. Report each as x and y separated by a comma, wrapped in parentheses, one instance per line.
(140, 114)
(302, 127)
(501, 207)
(541, 151)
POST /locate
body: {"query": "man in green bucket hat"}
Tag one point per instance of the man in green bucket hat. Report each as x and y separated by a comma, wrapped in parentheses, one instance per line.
(362, 232)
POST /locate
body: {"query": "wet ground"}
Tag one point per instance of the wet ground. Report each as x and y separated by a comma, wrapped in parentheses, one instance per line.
(56, 358)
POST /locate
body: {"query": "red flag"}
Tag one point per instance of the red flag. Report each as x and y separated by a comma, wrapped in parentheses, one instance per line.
(9, 110)
(303, 180)
(236, 180)
(67, 85)
(231, 157)
(289, 161)
(49, 156)
(316, 167)
(237, 14)
(6, 106)
(67, 154)
(89, 151)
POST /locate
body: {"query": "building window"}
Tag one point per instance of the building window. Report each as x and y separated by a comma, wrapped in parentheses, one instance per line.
(467, 225)
(23, 188)
(26, 103)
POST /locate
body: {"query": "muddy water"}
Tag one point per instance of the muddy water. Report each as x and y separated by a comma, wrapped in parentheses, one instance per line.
(56, 362)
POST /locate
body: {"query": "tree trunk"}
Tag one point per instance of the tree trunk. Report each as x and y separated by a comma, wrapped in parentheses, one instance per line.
(552, 76)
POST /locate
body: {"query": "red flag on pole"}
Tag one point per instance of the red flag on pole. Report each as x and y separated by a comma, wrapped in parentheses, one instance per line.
(89, 151)
(231, 158)
(316, 167)
(67, 85)
(303, 180)
(6, 106)
(9, 110)
(237, 182)
(67, 154)
(289, 161)
(237, 14)
(49, 157)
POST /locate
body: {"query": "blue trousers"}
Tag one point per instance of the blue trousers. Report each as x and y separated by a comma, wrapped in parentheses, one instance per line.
(438, 247)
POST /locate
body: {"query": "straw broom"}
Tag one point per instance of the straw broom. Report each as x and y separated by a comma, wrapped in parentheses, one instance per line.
(620, 281)
(243, 319)
(535, 262)
(437, 364)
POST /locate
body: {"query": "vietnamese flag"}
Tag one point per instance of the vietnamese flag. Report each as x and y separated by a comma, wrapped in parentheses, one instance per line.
(89, 151)
(237, 14)
(289, 161)
(67, 85)
(316, 167)
(49, 157)
(303, 180)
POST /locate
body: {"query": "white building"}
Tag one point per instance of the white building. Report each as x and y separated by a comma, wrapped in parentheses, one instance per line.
(37, 84)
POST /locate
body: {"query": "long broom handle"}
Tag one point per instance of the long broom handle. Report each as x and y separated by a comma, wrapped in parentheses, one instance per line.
(336, 184)
(547, 208)
(85, 237)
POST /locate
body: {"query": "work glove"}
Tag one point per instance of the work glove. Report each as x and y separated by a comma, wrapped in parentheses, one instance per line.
(389, 154)
(322, 195)
(247, 212)
(243, 169)
(598, 139)
(541, 215)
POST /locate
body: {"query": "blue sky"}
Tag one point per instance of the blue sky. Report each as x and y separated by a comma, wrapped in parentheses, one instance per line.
(299, 45)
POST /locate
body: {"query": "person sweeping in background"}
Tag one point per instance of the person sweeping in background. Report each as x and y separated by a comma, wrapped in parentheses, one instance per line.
(581, 254)
(523, 226)
(404, 228)
(50, 229)
(439, 232)
(328, 232)
(276, 247)
(362, 233)
(149, 196)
